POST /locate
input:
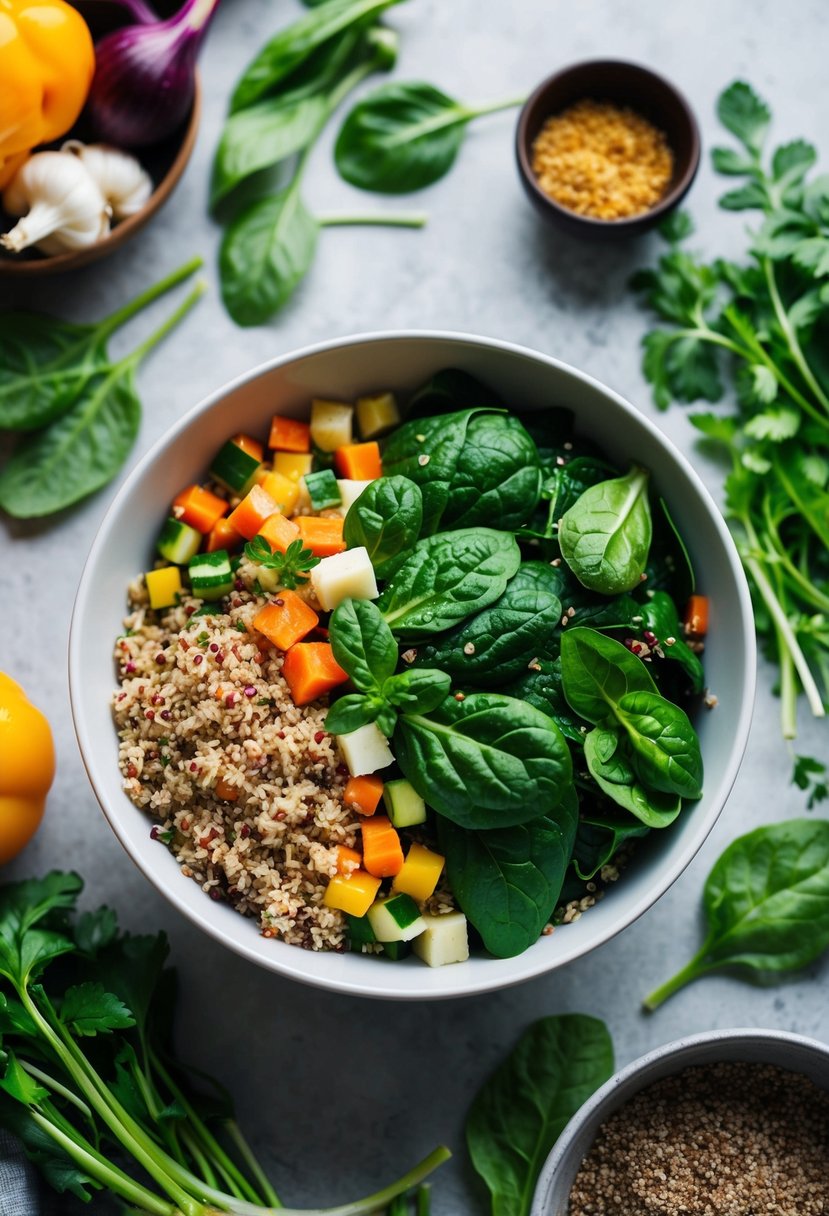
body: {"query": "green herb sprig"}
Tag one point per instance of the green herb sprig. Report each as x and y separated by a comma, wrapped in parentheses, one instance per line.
(291, 567)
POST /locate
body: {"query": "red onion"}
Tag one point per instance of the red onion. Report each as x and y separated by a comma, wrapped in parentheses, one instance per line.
(145, 76)
(138, 10)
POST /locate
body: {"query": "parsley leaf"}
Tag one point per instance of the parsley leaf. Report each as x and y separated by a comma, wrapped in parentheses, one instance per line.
(88, 1010)
(813, 776)
(745, 115)
(291, 567)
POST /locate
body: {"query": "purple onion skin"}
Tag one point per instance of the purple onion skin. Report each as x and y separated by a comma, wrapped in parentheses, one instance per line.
(145, 77)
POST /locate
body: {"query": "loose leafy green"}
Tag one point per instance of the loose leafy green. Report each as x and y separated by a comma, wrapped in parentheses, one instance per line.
(811, 775)
(59, 377)
(404, 136)
(447, 578)
(597, 672)
(664, 746)
(598, 839)
(660, 617)
(519, 1113)
(541, 687)
(605, 535)
(508, 880)
(485, 761)
(386, 519)
(766, 902)
(291, 567)
(449, 391)
(762, 325)
(118, 1114)
(617, 779)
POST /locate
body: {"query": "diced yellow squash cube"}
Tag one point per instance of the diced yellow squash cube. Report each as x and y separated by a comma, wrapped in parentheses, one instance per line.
(353, 893)
(331, 424)
(421, 871)
(376, 415)
(283, 490)
(163, 586)
(293, 465)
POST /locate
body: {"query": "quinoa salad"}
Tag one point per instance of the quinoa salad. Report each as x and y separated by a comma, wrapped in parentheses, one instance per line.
(348, 703)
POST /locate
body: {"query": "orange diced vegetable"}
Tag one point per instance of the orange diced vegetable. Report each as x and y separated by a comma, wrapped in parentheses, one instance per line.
(310, 671)
(224, 790)
(285, 620)
(353, 893)
(363, 794)
(348, 860)
(279, 532)
(283, 490)
(323, 536)
(359, 461)
(252, 511)
(695, 620)
(223, 535)
(250, 445)
(289, 435)
(199, 508)
(382, 851)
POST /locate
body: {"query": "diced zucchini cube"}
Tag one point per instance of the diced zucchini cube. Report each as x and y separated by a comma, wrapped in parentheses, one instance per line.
(396, 919)
(403, 803)
(347, 575)
(397, 950)
(360, 932)
(211, 575)
(377, 414)
(163, 586)
(350, 491)
(178, 542)
(235, 468)
(444, 939)
(365, 750)
(323, 489)
(331, 424)
(420, 873)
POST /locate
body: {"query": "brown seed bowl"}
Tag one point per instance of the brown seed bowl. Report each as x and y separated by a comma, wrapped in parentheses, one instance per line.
(165, 162)
(625, 84)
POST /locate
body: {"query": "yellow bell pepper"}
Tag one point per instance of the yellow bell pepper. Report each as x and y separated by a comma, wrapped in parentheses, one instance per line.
(47, 61)
(27, 768)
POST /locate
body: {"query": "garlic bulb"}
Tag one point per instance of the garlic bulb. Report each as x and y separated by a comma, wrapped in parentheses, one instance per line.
(121, 179)
(61, 205)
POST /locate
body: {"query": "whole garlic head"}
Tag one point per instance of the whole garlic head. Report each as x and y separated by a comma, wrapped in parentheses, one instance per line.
(60, 202)
(125, 185)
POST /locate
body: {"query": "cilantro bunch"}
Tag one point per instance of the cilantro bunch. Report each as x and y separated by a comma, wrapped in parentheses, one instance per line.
(762, 327)
(89, 1080)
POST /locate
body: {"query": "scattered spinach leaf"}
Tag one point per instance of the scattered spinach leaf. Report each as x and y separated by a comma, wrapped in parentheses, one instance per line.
(616, 779)
(597, 672)
(363, 644)
(606, 534)
(598, 839)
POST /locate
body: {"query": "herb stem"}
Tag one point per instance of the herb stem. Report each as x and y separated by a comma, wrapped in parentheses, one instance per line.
(168, 325)
(790, 334)
(246, 1153)
(415, 219)
(494, 107)
(381, 1199)
(56, 1087)
(146, 298)
(691, 971)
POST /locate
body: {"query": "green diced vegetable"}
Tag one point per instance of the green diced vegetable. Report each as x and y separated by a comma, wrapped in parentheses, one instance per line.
(397, 950)
(178, 542)
(405, 806)
(396, 919)
(323, 489)
(360, 932)
(211, 575)
(235, 469)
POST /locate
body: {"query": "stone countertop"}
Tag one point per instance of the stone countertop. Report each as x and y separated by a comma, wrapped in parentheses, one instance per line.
(337, 1094)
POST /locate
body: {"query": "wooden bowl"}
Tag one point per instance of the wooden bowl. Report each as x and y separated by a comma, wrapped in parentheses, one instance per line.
(627, 84)
(165, 162)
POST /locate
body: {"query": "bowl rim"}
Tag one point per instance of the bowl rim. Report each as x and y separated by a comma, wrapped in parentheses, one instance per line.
(682, 1052)
(489, 980)
(628, 223)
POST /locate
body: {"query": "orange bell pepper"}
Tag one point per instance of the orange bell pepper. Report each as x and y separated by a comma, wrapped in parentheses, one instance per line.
(27, 768)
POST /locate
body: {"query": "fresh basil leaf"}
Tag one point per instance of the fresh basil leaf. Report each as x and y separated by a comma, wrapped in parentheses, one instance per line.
(519, 1113)
(485, 761)
(386, 519)
(351, 712)
(507, 880)
(363, 644)
(597, 672)
(417, 692)
(447, 578)
(87, 1009)
(263, 135)
(650, 807)
(606, 535)
(665, 748)
(744, 114)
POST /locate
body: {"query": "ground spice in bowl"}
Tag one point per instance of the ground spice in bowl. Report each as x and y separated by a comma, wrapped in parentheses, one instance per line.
(602, 160)
(730, 1139)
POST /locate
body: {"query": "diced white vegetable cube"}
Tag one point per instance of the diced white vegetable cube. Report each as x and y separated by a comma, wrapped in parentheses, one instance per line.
(350, 491)
(331, 424)
(365, 750)
(377, 414)
(444, 940)
(347, 575)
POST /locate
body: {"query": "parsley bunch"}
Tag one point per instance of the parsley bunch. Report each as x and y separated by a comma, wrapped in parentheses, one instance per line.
(89, 1080)
(763, 327)
(291, 567)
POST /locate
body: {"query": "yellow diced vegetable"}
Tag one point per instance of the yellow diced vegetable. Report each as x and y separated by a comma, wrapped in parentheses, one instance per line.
(283, 490)
(163, 586)
(293, 465)
(376, 415)
(353, 893)
(331, 424)
(421, 871)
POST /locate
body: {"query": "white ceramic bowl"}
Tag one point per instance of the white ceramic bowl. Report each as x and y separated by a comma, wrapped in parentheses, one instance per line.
(789, 1051)
(343, 369)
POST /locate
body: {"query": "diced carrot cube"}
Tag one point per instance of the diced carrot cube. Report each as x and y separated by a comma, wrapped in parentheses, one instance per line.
(289, 435)
(324, 537)
(695, 620)
(363, 794)
(310, 671)
(199, 508)
(279, 532)
(382, 851)
(359, 461)
(285, 620)
(223, 535)
(252, 511)
(348, 860)
(250, 445)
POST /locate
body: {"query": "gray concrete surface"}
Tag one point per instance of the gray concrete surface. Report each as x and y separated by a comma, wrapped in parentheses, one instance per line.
(338, 1094)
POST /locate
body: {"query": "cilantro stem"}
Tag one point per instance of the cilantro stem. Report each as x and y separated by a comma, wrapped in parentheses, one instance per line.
(246, 1153)
(56, 1087)
(790, 334)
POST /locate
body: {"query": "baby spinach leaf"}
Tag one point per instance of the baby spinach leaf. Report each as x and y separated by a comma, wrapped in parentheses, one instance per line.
(605, 536)
(598, 839)
(567, 482)
(417, 692)
(352, 711)
(362, 643)
(262, 135)
(659, 615)
(451, 390)
(386, 519)
(485, 761)
(507, 880)
(665, 748)
(519, 1113)
(766, 902)
(597, 672)
(44, 364)
(541, 687)
(447, 578)
(650, 807)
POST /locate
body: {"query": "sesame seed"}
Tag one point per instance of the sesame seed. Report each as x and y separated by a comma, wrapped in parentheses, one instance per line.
(469, 648)
(459, 696)
(423, 459)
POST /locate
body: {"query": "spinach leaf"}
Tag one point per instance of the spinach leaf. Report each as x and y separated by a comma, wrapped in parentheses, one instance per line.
(362, 644)
(498, 644)
(665, 748)
(766, 902)
(566, 483)
(417, 692)
(473, 467)
(451, 390)
(660, 616)
(597, 672)
(615, 778)
(541, 687)
(44, 364)
(598, 839)
(354, 710)
(519, 1113)
(485, 761)
(263, 135)
(386, 519)
(507, 880)
(447, 578)
(605, 536)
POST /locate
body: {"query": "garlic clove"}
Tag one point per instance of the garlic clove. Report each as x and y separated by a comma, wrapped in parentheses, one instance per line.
(124, 183)
(61, 206)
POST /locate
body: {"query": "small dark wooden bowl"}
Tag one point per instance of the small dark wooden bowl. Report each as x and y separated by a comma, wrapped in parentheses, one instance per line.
(624, 84)
(165, 162)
